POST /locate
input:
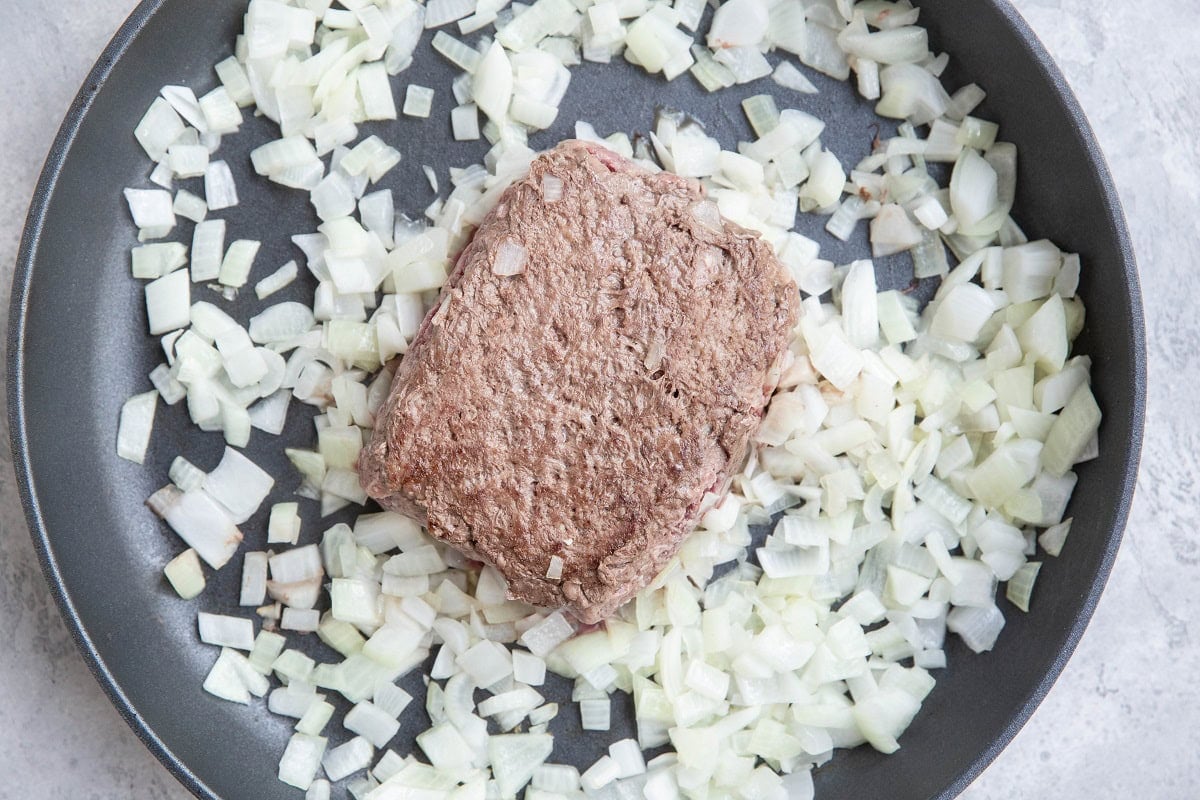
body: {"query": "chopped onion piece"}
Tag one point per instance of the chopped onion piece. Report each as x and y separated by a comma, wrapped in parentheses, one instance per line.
(510, 259)
(281, 322)
(276, 281)
(189, 206)
(137, 421)
(545, 636)
(464, 120)
(158, 129)
(152, 210)
(185, 574)
(301, 760)
(155, 260)
(1071, 432)
(254, 579)
(1053, 538)
(375, 91)
(200, 521)
(221, 113)
(225, 631)
(600, 774)
(224, 679)
(979, 627)
(595, 714)
(219, 189)
(441, 12)
(737, 23)
(1020, 585)
(302, 620)
(208, 248)
(787, 76)
(239, 485)
(493, 85)
(284, 525)
(515, 757)
(372, 723)
(418, 101)
(344, 760)
(461, 55)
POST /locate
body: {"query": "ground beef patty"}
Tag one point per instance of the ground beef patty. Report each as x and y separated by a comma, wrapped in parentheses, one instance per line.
(583, 407)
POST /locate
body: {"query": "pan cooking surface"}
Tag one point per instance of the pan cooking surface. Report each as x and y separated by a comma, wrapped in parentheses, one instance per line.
(78, 349)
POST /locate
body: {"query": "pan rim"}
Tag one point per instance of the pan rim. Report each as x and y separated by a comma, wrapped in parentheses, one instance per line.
(23, 278)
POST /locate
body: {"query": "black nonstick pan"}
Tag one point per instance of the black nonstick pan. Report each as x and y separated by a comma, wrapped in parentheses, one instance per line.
(78, 349)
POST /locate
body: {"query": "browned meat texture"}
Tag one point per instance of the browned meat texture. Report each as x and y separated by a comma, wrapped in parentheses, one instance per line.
(583, 407)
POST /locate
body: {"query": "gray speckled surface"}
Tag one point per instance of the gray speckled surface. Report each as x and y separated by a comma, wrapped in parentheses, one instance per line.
(1121, 720)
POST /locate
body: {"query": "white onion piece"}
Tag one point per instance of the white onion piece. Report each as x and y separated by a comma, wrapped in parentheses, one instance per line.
(208, 249)
(600, 774)
(189, 206)
(301, 760)
(270, 414)
(418, 101)
(221, 113)
(158, 129)
(441, 12)
(319, 789)
(461, 55)
(238, 484)
(224, 679)
(372, 723)
(219, 189)
(510, 259)
(168, 302)
(737, 23)
(787, 76)
(185, 574)
(136, 424)
(276, 281)
(546, 635)
(151, 209)
(493, 85)
(254, 579)
(297, 565)
(344, 760)
(515, 757)
(978, 627)
(973, 189)
(464, 120)
(225, 631)
(300, 620)
(375, 91)
(188, 161)
(902, 45)
(281, 322)
(284, 525)
(860, 313)
(155, 260)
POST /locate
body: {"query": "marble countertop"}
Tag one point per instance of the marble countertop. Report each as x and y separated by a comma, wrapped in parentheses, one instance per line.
(1113, 726)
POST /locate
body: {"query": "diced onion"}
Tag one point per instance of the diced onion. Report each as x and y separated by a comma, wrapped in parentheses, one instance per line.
(219, 189)
(510, 259)
(418, 101)
(225, 631)
(185, 574)
(787, 76)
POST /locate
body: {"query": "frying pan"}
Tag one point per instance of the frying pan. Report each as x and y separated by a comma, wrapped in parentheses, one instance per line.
(78, 349)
